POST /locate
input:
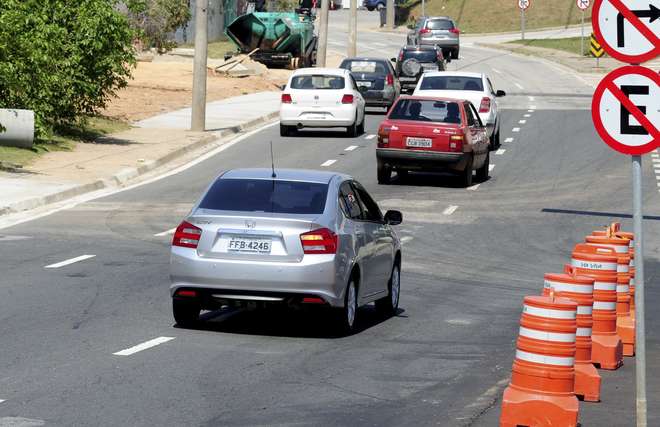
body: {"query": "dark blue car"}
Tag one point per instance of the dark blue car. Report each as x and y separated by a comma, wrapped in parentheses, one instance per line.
(374, 4)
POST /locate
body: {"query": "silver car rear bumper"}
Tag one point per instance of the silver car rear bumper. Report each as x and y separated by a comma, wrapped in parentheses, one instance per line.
(314, 275)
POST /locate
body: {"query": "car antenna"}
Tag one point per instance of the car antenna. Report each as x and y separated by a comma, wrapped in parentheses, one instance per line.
(272, 160)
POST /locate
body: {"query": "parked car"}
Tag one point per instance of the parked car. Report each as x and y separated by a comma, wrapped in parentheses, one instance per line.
(413, 61)
(438, 31)
(475, 87)
(432, 134)
(377, 77)
(292, 237)
(322, 98)
(374, 4)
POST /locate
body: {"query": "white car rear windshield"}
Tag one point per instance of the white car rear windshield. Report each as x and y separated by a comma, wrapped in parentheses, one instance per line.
(426, 110)
(317, 81)
(452, 83)
(265, 195)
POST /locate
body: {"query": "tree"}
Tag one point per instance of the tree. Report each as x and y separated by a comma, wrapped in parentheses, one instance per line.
(156, 20)
(62, 58)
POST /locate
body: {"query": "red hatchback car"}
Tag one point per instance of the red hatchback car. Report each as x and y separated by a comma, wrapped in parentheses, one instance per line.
(432, 134)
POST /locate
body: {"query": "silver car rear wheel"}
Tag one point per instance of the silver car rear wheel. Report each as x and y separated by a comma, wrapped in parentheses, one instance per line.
(388, 305)
(351, 305)
(345, 317)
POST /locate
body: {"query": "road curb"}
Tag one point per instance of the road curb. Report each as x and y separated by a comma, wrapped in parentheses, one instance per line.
(124, 176)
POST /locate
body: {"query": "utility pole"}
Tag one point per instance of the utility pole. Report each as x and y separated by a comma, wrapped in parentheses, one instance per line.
(423, 8)
(352, 30)
(198, 122)
(389, 19)
(323, 34)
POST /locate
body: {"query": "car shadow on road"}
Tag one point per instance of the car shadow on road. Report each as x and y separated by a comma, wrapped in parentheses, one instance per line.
(428, 179)
(281, 322)
(329, 133)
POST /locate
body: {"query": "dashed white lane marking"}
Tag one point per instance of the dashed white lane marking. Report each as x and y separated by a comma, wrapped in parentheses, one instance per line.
(527, 115)
(350, 148)
(406, 239)
(532, 107)
(70, 261)
(328, 162)
(519, 86)
(491, 167)
(474, 187)
(144, 346)
(372, 136)
(515, 130)
(530, 110)
(531, 98)
(2, 400)
(165, 233)
(522, 122)
(450, 210)
(656, 155)
(500, 152)
(496, 70)
(508, 140)
(655, 160)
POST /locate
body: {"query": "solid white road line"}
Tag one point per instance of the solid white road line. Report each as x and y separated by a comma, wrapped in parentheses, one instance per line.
(474, 187)
(527, 115)
(508, 140)
(372, 136)
(500, 151)
(450, 210)
(350, 148)
(522, 122)
(515, 130)
(145, 345)
(70, 261)
(328, 162)
(532, 107)
(519, 86)
(491, 167)
(379, 44)
(166, 232)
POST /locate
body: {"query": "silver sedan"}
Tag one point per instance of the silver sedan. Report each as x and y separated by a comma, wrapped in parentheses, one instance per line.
(294, 237)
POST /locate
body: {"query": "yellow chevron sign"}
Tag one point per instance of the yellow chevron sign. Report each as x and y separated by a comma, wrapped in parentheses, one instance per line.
(596, 49)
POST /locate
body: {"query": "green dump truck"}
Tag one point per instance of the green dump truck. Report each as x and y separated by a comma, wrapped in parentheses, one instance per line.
(282, 38)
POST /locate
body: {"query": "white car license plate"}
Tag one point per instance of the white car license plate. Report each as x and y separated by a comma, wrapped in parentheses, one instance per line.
(242, 244)
(316, 117)
(419, 142)
(364, 84)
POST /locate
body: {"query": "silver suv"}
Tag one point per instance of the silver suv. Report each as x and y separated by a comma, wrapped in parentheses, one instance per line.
(299, 238)
(438, 31)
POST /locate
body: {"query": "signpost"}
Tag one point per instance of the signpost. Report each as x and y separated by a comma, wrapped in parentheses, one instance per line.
(582, 5)
(626, 112)
(596, 49)
(523, 5)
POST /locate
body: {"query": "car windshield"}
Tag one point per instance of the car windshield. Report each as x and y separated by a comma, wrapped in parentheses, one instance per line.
(364, 67)
(426, 55)
(452, 83)
(426, 110)
(317, 81)
(265, 195)
(439, 24)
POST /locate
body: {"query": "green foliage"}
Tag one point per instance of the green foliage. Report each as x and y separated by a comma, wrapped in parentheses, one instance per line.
(155, 20)
(286, 5)
(62, 58)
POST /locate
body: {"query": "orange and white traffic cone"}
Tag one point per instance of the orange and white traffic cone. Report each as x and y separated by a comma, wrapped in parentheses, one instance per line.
(579, 289)
(600, 263)
(541, 392)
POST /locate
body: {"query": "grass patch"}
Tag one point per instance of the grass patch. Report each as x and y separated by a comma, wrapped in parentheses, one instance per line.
(218, 49)
(65, 139)
(571, 44)
(491, 16)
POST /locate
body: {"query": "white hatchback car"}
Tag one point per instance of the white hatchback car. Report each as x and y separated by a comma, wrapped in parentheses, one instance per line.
(322, 98)
(473, 87)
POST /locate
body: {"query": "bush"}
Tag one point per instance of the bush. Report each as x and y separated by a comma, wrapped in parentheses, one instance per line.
(62, 58)
(155, 20)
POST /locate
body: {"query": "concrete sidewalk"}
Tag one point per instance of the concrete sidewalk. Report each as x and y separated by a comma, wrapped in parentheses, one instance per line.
(114, 160)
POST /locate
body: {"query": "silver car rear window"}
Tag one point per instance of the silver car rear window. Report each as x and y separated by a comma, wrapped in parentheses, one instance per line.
(317, 81)
(261, 195)
(452, 83)
(439, 24)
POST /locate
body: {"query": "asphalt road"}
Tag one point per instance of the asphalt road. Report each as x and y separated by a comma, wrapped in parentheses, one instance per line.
(443, 360)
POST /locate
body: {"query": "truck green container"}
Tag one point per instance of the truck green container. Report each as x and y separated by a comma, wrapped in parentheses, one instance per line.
(282, 38)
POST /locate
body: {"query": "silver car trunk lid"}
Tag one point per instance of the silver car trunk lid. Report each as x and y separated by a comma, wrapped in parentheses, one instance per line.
(252, 236)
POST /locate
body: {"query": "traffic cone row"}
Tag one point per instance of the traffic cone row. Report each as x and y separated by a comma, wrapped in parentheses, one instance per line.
(584, 319)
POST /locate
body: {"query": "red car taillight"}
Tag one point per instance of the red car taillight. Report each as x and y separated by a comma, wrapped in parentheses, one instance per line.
(321, 241)
(186, 293)
(347, 99)
(389, 80)
(424, 31)
(456, 142)
(186, 235)
(485, 105)
(400, 55)
(384, 136)
(455, 31)
(286, 98)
